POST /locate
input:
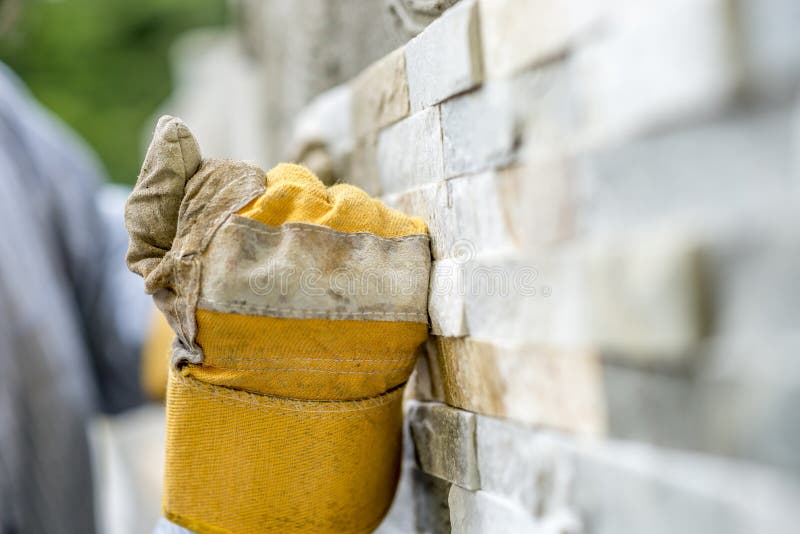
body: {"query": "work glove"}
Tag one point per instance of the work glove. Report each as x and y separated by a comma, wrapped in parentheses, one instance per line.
(298, 310)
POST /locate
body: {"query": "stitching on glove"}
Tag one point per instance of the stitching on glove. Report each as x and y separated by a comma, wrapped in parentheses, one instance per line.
(268, 403)
(303, 369)
(311, 313)
(406, 359)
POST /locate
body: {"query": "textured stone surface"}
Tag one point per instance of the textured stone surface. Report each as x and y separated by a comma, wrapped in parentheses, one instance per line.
(538, 204)
(608, 487)
(739, 403)
(445, 442)
(461, 215)
(477, 201)
(477, 512)
(487, 127)
(642, 159)
(468, 149)
(533, 385)
(524, 207)
(432, 203)
(533, 469)
(771, 44)
(380, 94)
(645, 295)
(426, 381)
(681, 174)
(516, 34)
(626, 487)
(445, 58)
(446, 306)
(410, 152)
(754, 288)
(526, 298)
(431, 510)
(639, 76)
(434, 370)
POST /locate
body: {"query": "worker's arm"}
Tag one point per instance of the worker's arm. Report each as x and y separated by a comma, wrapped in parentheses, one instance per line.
(61, 192)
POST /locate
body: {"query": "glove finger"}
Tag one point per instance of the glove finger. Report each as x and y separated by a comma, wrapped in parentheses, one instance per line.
(151, 213)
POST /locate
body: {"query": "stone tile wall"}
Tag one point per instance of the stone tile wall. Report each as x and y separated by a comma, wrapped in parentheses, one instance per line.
(612, 190)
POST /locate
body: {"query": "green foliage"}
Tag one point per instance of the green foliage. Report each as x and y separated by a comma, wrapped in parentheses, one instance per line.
(102, 65)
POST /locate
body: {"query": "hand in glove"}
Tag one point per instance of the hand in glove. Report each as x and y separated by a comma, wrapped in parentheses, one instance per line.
(298, 310)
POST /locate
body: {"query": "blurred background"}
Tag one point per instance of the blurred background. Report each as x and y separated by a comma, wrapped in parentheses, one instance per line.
(103, 67)
(642, 159)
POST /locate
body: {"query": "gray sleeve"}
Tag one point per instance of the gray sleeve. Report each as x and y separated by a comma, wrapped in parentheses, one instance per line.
(87, 236)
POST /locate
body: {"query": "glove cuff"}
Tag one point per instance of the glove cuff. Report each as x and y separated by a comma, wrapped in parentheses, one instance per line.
(243, 462)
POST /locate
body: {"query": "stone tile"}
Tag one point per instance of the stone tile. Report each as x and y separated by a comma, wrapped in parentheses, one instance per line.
(738, 403)
(479, 211)
(431, 510)
(535, 470)
(645, 295)
(431, 203)
(520, 34)
(524, 207)
(568, 485)
(425, 384)
(627, 487)
(462, 215)
(682, 174)
(489, 127)
(607, 487)
(446, 306)
(470, 378)
(754, 262)
(538, 204)
(470, 149)
(478, 512)
(410, 152)
(523, 299)
(517, 34)
(445, 442)
(380, 94)
(771, 45)
(435, 369)
(533, 385)
(445, 58)
(640, 77)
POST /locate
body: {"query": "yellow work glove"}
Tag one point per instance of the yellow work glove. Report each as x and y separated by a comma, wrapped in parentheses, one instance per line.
(298, 310)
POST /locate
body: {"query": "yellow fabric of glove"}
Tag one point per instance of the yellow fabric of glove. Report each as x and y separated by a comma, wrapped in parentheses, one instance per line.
(155, 357)
(298, 311)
